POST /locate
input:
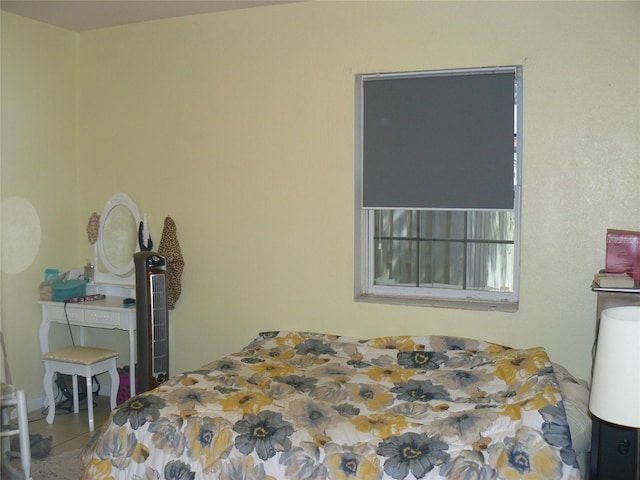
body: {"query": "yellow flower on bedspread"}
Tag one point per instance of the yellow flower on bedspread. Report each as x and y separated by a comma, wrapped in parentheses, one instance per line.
(391, 373)
(140, 453)
(527, 457)
(97, 470)
(384, 424)
(245, 402)
(291, 339)
(273, 369)
(530, 399)
(402, 343)
(189, 381)
(257, 381)
(280, 354)
(482, 444)
(517, 365)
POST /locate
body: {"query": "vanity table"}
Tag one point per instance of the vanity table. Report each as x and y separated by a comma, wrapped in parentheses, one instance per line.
(114, 276)
(108, 313)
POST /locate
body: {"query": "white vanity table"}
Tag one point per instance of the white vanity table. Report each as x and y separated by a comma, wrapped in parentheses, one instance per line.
(114, 276)
(108, 313)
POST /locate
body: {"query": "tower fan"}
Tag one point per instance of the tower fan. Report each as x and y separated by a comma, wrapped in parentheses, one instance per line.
(152, 320)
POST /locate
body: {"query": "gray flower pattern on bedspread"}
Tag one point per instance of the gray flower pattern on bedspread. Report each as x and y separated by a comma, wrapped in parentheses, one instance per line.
(295, 405)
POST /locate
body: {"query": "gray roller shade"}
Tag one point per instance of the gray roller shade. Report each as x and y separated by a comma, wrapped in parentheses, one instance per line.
(441, 142)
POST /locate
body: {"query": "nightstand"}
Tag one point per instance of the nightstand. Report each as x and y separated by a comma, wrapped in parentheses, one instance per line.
(615, 449)
(615, 452)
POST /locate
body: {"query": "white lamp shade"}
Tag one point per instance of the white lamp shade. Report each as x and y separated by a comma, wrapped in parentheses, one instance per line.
(615, 386)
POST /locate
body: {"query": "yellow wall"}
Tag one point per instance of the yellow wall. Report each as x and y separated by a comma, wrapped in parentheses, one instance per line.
(240, 126)
(39, 167)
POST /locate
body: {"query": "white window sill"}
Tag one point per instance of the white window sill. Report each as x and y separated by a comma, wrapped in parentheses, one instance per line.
(464, 304)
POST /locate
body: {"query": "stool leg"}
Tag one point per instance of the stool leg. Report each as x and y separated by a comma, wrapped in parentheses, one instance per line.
(76, 400)
(115, 382)
(90, 401)
(48, 390)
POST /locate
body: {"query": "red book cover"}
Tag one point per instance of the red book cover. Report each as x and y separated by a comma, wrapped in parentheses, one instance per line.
(623, 252)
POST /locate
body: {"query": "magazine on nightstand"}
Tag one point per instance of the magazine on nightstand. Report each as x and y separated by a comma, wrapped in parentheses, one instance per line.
(623, 253)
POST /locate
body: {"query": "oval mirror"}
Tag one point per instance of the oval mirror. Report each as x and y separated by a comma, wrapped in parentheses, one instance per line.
(118, 236)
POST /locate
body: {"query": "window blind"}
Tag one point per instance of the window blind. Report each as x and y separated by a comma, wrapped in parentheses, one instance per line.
(443, 141)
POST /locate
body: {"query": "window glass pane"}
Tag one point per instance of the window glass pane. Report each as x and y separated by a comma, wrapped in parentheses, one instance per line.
(499, 226)
(442, 264)
(434, 249)
(490, 267)
(395, 260)
(396, 223)
(442, 224)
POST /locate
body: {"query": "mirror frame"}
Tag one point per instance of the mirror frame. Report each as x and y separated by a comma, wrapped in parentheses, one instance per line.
(115, 274)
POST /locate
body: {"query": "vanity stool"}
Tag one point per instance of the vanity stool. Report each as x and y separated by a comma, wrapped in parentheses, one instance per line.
(79, 360)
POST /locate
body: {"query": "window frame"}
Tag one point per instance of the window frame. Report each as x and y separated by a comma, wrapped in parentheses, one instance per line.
(365, 288)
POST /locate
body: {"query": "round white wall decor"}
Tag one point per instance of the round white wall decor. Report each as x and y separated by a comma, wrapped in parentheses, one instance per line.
(21, 234)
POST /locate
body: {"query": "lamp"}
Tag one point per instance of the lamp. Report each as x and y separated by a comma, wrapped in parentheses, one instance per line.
(615, 386)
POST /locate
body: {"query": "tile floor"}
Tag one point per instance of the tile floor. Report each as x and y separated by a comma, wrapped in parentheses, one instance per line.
(69, 430)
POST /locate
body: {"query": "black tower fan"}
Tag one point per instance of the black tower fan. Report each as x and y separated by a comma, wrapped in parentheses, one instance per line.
(152, 320)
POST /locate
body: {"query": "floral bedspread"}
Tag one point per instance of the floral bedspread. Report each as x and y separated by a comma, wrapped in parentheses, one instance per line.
(295, 405)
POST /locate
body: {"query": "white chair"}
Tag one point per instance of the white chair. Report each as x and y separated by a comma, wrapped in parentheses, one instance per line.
(12, 399)
(79, 360)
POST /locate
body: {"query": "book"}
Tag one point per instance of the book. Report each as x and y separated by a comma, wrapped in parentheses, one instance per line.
(614, 280)
(623, 252)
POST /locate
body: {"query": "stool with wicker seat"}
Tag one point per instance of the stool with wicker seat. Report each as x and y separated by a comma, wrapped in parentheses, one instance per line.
(79, 360)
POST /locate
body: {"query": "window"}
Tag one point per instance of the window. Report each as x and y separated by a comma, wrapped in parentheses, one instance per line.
(438, 187)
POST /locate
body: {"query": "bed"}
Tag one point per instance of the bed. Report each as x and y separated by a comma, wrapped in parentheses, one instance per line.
(295, 405)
